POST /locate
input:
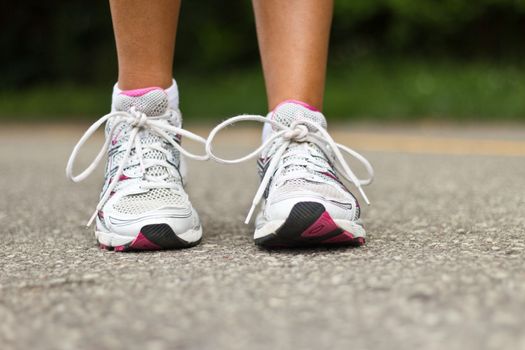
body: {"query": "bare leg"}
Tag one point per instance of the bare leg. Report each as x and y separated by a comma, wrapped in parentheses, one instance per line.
(293, 40)
(145, 35)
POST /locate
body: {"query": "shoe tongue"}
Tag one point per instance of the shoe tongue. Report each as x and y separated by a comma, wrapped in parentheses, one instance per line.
(151, 101)
(290, 111)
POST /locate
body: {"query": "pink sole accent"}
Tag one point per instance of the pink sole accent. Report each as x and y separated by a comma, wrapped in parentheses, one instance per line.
(142, 243)
(140, 92)
(343, 237)
(139, 243)
(321, 227)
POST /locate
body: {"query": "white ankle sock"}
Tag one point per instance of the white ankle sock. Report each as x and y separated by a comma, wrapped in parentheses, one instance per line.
(172, 92)
(267, 128)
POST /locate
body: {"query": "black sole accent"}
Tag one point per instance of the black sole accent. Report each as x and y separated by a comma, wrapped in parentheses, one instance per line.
(163, 236)
(302, 216)
(273, 242)
(129, 249)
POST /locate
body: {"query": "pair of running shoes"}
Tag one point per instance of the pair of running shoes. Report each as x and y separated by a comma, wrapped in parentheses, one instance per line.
(143, 205)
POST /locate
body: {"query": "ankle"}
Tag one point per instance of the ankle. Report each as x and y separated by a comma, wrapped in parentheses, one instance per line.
(312, 103)
(172, 91)
(313, 108)
(133, 79)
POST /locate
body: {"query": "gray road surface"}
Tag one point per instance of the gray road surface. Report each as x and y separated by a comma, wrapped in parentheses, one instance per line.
(444, 266)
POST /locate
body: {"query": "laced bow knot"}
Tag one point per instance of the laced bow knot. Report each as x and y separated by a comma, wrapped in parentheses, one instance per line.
(298, 131)
(137, 121)
(140, 119)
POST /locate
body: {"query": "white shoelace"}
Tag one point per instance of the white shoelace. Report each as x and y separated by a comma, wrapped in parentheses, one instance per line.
(298, 131)
(138, 121)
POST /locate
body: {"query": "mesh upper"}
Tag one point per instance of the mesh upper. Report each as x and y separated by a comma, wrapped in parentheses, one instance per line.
(321, 184)
(151, 200)
(152, 103)
(326, 190)
(286, 113)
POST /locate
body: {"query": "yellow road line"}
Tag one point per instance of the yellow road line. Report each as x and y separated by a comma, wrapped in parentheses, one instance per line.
(388, 142)
(363, 141)
(430, 145)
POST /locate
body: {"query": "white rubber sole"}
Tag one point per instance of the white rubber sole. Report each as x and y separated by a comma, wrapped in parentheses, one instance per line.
(112, 240)
(271, 227)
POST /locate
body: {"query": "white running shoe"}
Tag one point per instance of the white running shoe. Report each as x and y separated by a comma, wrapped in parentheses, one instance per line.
(303, 199)
(143, 205)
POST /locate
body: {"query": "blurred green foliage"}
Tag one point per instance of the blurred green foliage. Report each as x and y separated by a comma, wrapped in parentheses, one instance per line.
(72, 41)
(52, 49)
(454, 28)
(370, 90)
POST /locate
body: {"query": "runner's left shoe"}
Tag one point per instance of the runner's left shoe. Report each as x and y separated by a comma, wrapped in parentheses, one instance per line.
(304, 201)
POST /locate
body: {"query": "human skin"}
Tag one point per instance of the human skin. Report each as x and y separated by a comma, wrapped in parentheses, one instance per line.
(145, 33)
(293, 39)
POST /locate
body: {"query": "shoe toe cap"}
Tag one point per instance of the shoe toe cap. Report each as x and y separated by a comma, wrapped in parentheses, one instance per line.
(280, 210)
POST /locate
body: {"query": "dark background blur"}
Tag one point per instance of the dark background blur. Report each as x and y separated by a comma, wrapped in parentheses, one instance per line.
(389, 59)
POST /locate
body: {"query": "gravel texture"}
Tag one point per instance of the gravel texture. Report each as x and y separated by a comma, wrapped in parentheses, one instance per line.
(444, 265)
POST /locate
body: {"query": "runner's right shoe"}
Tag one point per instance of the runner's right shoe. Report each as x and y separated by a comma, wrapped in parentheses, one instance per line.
(143, 204)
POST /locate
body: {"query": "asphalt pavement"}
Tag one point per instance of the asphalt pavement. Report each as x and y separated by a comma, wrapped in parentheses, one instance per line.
(443, 267)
